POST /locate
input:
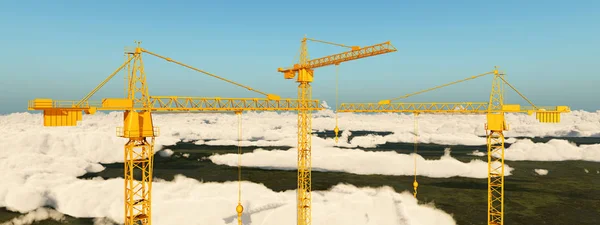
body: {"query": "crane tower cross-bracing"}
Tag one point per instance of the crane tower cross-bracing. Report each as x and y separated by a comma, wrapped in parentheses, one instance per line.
(495, 110)
(139, 128)
(304, 72)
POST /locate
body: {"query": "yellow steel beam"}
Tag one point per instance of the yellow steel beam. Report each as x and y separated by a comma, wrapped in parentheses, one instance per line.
(445, 107)
(304, 191)
(174, 103)
(177, 103)
(451, 107)
(373, 50)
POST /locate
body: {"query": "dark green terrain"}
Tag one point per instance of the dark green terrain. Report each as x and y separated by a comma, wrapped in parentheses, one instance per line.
(567, 195)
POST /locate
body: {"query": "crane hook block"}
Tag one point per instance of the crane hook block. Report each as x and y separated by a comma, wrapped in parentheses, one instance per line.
(336, 130)
(385, 102)
(273, 97)
(239, 208)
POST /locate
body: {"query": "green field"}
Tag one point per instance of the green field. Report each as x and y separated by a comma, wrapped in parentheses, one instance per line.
(567, 195)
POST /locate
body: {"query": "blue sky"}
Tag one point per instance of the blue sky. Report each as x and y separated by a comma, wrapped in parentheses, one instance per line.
(63, 49)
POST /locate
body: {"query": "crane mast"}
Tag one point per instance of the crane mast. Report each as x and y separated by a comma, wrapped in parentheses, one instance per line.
(139, 149)
(495, 127)
(305, 76)
(495, 111)
(304, 71)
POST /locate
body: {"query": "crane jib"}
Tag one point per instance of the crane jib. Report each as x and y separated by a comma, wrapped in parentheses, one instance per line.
(364, 52)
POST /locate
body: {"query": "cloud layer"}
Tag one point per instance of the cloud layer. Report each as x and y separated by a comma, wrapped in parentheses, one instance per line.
(553, 150)
(361, 162)
(214, 203)
(271, 128)
(40, 164)
(39, 214)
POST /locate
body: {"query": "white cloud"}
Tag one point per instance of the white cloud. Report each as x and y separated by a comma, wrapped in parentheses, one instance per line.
(214, 203)
(478, 153)
(40, 164)
(39, 214)
(553, 150)
(103, 221)
(166, 153)
(361, 162)
(95, 139)
(541, 172)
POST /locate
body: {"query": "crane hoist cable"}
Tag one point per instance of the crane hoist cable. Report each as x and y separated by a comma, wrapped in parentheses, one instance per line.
(388, 101)
(522, 96)
(495, 72)
(331, 43)
(126, 64)
(89, 95)
(336, 130)
(269, 96)
(239, 208)
(415, 183)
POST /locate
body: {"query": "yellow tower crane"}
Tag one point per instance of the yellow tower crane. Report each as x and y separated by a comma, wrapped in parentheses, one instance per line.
(495, 126)
(139, 128)
(304, 71)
